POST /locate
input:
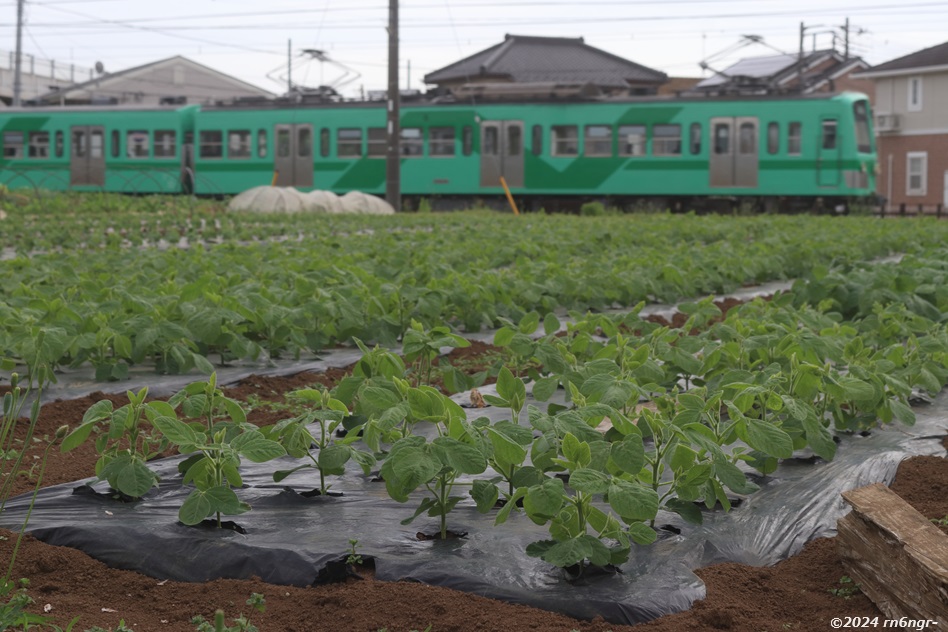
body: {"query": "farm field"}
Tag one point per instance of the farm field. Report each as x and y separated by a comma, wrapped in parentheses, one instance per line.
(647, 421)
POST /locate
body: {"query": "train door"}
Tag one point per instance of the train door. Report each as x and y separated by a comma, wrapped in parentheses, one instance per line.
(828, 168)
(87, 155)
(502, 153)
(734, 156)
(293, 158)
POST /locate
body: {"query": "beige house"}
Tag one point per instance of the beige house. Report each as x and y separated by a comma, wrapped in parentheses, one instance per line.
(176, 80)
(911, 123)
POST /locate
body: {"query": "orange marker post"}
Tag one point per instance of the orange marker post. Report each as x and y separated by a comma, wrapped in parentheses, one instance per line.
(510, 199)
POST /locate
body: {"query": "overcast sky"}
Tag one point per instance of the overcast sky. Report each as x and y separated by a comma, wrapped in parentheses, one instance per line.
(249, 38)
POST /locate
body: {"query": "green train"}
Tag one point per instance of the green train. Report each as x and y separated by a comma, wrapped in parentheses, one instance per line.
(770, 151)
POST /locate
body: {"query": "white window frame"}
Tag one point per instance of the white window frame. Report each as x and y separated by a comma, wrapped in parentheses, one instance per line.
(923, 176)
(915, 104)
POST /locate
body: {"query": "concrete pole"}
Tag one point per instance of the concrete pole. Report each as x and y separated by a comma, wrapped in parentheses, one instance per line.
(18, 63)
(393, 190)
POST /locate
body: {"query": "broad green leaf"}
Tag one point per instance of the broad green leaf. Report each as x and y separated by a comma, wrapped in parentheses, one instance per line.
(485, 494)
(589, 481)
(333, 457)
(506, 451)
(255, 447)
(687, 510)
(768, 438)
(632, 501)
(641, 533)
(462, 457)
(544, 388)
(177, 432)
(629, 454)
(543, 501)
(129, 475)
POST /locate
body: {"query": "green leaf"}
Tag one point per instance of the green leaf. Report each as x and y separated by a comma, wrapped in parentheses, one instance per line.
(99, 411)
(768, 438)
(195, 508)
(544, 388)
(255, 447)
(819, 438)
(632, 501)
(629, 454)
(333, 457)
(76, 438)
(461, 457)
(177, 432)
(732, 477)
(129, 475)
(543, 501)
(506, 451)
(485, 494)
(902, 412)
(641, 533)
(575, 451)
(589, 481)
(551, 324)
(511, 389)
(687, 510)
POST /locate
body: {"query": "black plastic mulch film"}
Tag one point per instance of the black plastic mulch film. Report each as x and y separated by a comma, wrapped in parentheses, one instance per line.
(290, 538)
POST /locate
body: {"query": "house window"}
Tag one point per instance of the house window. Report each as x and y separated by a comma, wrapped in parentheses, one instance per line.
(565, 140)
(916, 180)
(13, 144)
(211, 144)
(349, 143)
(441, 141)
(795, 138)
(915, 94)
(631, 140)
(136, 143)
(378, 143)
(666, 140)
(39, 144)
(238, 143)
(598, 140)
(164, 143)
(773, 138)
(411, 141)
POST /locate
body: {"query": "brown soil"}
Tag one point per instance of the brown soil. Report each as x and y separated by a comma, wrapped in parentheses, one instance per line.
(793, 595)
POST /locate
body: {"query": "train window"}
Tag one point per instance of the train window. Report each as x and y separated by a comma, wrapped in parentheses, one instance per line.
(39, 144)
(747, 138)
(164, 143)
(467, 140)
(78, 143)
(96, 143)
(378, 142)
(411, 143)
(211, 144)
(666, 140)
(565, 140)
(13, 144)
(863, 137)
(514, 140)
(773, 137)
(694, 139)
(631, 140)
(238, 143)
(829, 134)
(490, 142)
(136, 143)
(116, 144)
(441, 141)
(59, 144)
(261, 143)
(598, 140)
(324, 142)
(349, 143)
(537, 140)
(304, 142)
(283, 142)
(795, 138)
(722, 139)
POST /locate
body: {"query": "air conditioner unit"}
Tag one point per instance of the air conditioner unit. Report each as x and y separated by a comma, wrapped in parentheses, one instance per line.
(887, 122)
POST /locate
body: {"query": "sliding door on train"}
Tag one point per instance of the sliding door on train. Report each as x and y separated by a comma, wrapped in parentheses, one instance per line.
(293, 158)
(502, 153)
(87, 155)
(734, 154)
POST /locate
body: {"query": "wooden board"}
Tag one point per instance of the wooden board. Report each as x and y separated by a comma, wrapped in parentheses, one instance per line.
(896, 555)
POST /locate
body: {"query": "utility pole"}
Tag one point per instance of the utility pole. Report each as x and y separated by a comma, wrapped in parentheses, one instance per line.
(846, 40)
(289, 67)
(800, 60)
(393, 191)
(18, 63)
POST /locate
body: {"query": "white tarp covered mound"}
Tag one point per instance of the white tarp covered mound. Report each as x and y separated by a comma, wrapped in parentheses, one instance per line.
(268, 199)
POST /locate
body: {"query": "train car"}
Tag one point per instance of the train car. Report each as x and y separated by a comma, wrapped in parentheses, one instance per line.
(107, 148)
(808, 149)
(675, 152)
